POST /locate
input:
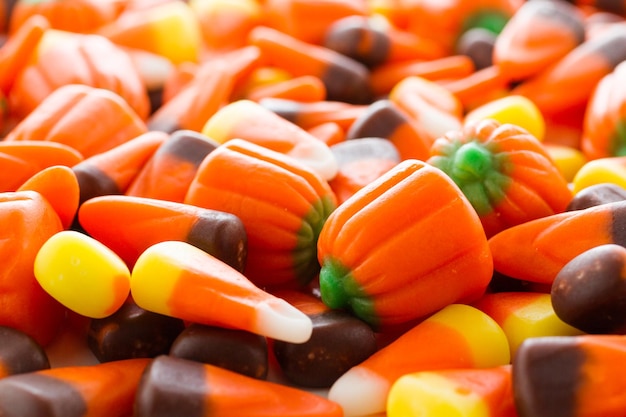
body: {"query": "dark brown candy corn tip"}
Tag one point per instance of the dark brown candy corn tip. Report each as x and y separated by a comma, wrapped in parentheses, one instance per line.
(546, 372)
(20, 353)
(595, 195)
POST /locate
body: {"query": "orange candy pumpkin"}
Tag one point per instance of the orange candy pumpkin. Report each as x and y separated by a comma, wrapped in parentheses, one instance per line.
(504, 171)
(88, 119)
(404, 246)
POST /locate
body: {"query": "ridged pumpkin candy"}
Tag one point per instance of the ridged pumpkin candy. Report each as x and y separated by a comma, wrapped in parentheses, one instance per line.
(403, 247)
(504, 171)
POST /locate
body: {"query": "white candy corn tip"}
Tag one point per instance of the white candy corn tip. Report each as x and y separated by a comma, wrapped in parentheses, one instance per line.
(277, 319)
(318, 157)
(360, 392)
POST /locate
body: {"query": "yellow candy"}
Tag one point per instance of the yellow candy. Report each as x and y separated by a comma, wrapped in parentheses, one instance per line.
(597, 171)
(567, 159)
(460, 393)
(517, 110)
(535, 319)
(82, 274)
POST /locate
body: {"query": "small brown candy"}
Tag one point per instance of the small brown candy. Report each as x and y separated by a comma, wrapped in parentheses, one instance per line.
(236, 350)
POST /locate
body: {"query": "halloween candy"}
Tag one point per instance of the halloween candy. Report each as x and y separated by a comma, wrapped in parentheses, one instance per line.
(169, 29)
(611, 169)
(534, 250)
(82, 274)
(174, 385)
(57, 184)
(587, 292)
(570, 81)
(23, 159)
(521, 50)
(602, 133)
(361, 161)
(339, 341)
(132, 332)
(386, 251)
(81, 16)
(345, 79)
(373, 41)
(97, 390)
(236, 350)
(569, 375)
(60, 117)
(179, 280)
(497, 167)
(385, 119)
(597, 194)
(26, 306)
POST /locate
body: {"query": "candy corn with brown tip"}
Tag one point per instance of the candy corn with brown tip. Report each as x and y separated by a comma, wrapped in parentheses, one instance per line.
(130, 225)
(173, 386)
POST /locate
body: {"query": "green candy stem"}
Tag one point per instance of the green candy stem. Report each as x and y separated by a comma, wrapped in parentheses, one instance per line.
(472, 163)
(332, 289)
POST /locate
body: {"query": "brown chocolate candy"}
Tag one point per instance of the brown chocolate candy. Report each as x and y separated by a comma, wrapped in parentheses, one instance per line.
(236, 350)
(132, 332)
(339, 342)
(589, 292)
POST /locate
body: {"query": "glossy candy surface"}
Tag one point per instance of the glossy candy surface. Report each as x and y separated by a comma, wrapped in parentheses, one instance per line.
(82, 274)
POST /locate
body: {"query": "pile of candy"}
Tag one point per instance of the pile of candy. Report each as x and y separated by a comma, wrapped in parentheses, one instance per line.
(312, 208)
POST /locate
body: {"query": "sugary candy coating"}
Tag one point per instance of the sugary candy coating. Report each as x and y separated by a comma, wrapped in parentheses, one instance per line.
(82, 274)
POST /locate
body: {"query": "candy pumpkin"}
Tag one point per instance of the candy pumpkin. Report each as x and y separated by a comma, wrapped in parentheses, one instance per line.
(404, 246)
(87, 119)
(504, 171)
(604, 128)
(281, 202)
(62, 58)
